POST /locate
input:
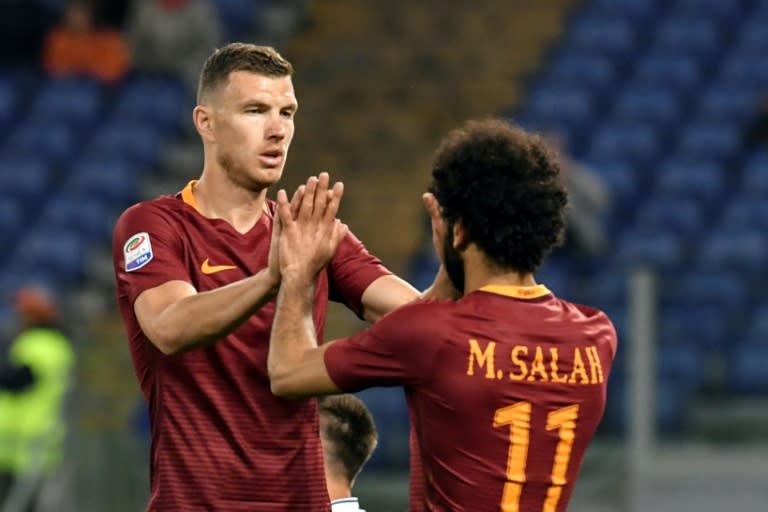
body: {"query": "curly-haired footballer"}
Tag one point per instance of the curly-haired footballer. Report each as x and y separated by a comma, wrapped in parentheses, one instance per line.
(506, 386)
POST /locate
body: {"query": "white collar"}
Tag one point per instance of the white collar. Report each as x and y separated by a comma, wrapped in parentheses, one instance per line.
(346, 505)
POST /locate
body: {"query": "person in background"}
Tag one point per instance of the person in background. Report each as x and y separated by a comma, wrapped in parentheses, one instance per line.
(173, 37)
(37, 377)
(78, 47)
(349, 437)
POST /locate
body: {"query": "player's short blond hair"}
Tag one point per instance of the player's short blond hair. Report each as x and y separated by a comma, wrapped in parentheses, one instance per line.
(263, 60)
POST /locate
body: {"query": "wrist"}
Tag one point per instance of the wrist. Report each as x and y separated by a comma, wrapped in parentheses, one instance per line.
(295, 276)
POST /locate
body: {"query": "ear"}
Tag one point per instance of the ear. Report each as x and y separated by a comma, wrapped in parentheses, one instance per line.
(460, 236)
(203, 119)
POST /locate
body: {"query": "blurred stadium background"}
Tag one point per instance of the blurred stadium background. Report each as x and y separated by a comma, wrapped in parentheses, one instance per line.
(663, 99)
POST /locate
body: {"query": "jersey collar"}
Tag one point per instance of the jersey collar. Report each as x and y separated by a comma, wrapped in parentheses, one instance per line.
(517, 292)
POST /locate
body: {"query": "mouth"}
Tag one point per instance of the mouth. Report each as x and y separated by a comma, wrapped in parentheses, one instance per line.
(272, 158)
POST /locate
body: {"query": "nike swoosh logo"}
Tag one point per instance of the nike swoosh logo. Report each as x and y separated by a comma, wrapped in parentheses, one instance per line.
(207, 268)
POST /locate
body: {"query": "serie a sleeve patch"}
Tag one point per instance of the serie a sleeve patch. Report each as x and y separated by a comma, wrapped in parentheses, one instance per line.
(137, 251)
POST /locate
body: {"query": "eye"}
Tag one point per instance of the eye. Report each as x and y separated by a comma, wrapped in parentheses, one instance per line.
(288, 114)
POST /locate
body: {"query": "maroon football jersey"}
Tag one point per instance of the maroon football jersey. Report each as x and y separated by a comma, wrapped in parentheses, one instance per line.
(220, 439)
(505, 387)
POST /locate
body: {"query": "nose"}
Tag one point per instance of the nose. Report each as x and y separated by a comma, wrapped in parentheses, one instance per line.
(276, 128)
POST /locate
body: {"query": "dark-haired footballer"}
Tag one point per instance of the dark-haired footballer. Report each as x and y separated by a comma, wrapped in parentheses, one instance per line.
(506, 386)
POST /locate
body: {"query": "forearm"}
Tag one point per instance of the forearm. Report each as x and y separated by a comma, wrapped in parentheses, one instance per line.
(203, 318)
(293, 330)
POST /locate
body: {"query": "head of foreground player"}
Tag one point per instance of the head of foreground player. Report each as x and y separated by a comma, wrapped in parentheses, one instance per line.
(496, 203)
(245, 117)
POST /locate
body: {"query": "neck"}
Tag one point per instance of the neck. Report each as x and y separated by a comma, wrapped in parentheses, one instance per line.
(478, 273)
(224, 199)
(338, 488)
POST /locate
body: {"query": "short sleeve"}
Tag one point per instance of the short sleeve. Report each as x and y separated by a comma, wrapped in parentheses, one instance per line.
(351, 271)
(391, 352)
(145, 250)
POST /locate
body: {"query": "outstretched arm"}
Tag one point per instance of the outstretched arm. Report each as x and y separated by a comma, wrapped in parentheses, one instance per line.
(307, 243)
(177, 318)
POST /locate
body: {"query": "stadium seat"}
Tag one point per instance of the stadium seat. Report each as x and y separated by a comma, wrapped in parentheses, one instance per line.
(390, 413)
(573, 108)
(26, 179)
(636, 143)
(659, 250)
(8, 104)
(757, 330)
(725, 13)
(697, 179)
(577, 70)
(746, 369)
(157, 102)
(744, 250)
(89, 216)
(655, 106)
(669, 71)
(725, 290)
(611, 36)
(237, 16)
(755, 178)
(53, 141)
(113, 180)
(746, 70)
(678, 215)
(74, 101)
(712, 140)
(136, 143)
(689, 35)
(622, 179)
(57, 253)
(732, 104)
(12, 219)
(705, 326)
(639, 11)
(744, 213)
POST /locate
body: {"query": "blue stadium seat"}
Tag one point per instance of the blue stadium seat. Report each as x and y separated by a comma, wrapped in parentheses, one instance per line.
(637, 143)
(53, 141)
(705, 326)
(8, 104)
(755, 176)
(112, 180)
(135, 143)
(728, 103)
(659, 250)
(571, 107)
(746, 70)
(612, 36)
(744, 250)
(578, 70)
(757, 330)
(744, 213)
(639, 11)
(746, 369)
(689, 35)
(89, 216)
(75, 101)
(675, 73)
(158, 102)
(622, 179)
(237, 16)
(681, 364)
(710, 140)
(12, 219)
(657, 107)
(26, 179)
(672, 405)
(752, 36)
(727, 291)
(60, 254)
(691, 178)
(680, 216)
(723, 12)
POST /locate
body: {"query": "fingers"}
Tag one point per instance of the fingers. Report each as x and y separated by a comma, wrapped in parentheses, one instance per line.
(298, 195)
(307, 202)
(334, 200)
(431, 205)
(321, 194)
(283, 207)
(340, 230)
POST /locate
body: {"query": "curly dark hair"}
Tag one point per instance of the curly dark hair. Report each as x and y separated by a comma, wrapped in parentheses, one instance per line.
(263, 60)
(348, 433)
(504, 184)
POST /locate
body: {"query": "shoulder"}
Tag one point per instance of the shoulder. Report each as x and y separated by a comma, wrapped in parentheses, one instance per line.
(421, 314)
